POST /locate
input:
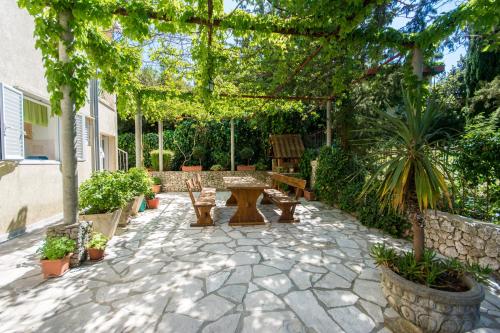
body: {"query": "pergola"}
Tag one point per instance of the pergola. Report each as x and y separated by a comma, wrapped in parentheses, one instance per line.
(70, 36)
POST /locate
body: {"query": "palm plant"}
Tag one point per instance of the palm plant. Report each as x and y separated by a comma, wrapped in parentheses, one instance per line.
(409, 178)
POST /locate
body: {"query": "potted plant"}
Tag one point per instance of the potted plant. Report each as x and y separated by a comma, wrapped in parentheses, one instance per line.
(305, 173)
(152, 200)
(96, 246)
(102, 198)
(437, 296)
(156, 187)
(246, 154)
(139, 182)
(55, 254)
(198, 153)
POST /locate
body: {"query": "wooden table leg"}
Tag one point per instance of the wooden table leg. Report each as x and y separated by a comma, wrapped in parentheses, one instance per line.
(247, 212)
(232, 200)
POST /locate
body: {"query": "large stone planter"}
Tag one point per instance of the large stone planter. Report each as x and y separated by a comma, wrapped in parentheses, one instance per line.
(104, 223)
(430, 309)
(137, 204)
(126, 212)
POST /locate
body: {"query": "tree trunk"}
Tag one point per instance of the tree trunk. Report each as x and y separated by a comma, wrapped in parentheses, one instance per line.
(417, 220)
(68, 130)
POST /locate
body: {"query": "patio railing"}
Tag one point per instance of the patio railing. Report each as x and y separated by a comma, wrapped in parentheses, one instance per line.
(122, 160)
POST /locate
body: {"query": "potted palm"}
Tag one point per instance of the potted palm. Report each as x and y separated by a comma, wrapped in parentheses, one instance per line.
(96, 246)
(152, 200)
(436, 295)
(102, 197)
(55, 254)
(246, 154)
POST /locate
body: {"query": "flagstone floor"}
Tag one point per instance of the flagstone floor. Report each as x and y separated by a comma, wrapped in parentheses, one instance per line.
(162, 275)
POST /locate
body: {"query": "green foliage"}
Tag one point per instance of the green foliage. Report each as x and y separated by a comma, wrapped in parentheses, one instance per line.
(305, 168)
(246, 154)
(104, 192)
(150, 195)
(480, 66)
(261, 166)
(216, 167)
(221, 158)
(168, 156)
(156, 180)
(199, 153)
(54, 248)
(338, 177)
(126, 142)
(98, 241)
(149, 144)
(442, 274)
(372, 215)
(139, 181)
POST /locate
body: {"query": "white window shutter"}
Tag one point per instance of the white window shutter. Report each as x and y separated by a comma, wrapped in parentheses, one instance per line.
(12, 123)
(80, 137)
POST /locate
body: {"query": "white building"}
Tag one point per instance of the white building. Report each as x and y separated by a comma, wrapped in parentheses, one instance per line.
(30, 168)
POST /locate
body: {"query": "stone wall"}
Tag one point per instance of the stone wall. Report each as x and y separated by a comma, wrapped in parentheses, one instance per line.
(174, 181)
(80, 233)
(464, 238)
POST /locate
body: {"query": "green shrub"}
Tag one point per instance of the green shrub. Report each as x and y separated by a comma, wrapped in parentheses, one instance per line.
(168, 157)
(260, 166)
(246, 154)
(441, 274)
(338, 177)
(139, 181)
(371, 215)
(305, 168)
(199, 153)
(221, 158)
(98, 241)
(216, 167)
(156, 181)
(126, 142)
(104, 192)
(56, 247)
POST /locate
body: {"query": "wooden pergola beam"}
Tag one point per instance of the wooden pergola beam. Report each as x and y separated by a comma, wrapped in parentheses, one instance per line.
(291, 98)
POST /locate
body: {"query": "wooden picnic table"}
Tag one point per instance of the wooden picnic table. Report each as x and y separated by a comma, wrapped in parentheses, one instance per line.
(244, 193)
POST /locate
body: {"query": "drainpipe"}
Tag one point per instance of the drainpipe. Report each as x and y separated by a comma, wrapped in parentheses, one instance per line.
(94, 110)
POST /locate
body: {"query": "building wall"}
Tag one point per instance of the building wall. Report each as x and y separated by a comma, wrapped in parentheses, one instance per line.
(31, 191)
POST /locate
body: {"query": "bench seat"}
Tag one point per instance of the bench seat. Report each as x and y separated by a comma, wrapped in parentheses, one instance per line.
(202, 204)
(283, 201)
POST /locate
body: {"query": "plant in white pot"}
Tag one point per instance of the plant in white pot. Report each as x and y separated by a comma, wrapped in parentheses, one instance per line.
(102, 197)
(435, 295)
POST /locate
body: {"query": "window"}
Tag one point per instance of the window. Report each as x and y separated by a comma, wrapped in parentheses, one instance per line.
(11, 123)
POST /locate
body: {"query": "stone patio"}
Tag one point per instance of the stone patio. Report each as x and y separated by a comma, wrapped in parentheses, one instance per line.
(162, 275)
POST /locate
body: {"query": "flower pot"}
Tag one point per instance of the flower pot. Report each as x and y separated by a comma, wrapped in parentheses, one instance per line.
(137, 204)
(156, 188)
(191, 168)
(309, 195)
(245, 168)
(431, 309)
(104, 223)
(143, 206)
(95, 254)
(126, 212)
(55, 268)
(153, 203)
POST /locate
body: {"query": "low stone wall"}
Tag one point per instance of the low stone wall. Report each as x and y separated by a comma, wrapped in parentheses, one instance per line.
(174, 181)
(464, 238)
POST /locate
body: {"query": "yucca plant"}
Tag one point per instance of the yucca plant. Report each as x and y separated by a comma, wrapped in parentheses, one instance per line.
(409, 178)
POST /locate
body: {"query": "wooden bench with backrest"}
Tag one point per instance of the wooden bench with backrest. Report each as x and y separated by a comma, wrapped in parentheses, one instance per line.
(283, 201)
(203, 203)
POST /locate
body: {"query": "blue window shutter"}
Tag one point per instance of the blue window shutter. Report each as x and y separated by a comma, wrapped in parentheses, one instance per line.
(12, 123)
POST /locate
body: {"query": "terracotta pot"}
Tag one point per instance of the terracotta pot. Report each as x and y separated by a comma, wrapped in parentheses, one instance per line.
(55, 268)
(309, 195)
(153, 203)
(95, 254)
(156, 188)
(105, 223)
(191, 168)
(245, 168)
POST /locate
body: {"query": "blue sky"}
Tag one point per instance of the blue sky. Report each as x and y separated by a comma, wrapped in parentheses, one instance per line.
(450, 58)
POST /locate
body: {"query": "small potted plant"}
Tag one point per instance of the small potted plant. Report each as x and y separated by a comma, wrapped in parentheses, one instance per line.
(198, 154)
(153, 201)
(96, 246)
(156, 187)
(246, 154)
(55, 254)
(216, 167)
(139, 182)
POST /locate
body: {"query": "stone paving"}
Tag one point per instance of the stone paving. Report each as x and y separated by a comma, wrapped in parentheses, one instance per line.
(161, 275)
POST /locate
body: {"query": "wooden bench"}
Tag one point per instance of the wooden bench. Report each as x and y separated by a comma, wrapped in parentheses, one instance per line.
(283, 201)
(203, 204)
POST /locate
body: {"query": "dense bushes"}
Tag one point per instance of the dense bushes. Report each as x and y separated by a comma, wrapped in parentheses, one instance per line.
(168, 157)
(339, 180)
